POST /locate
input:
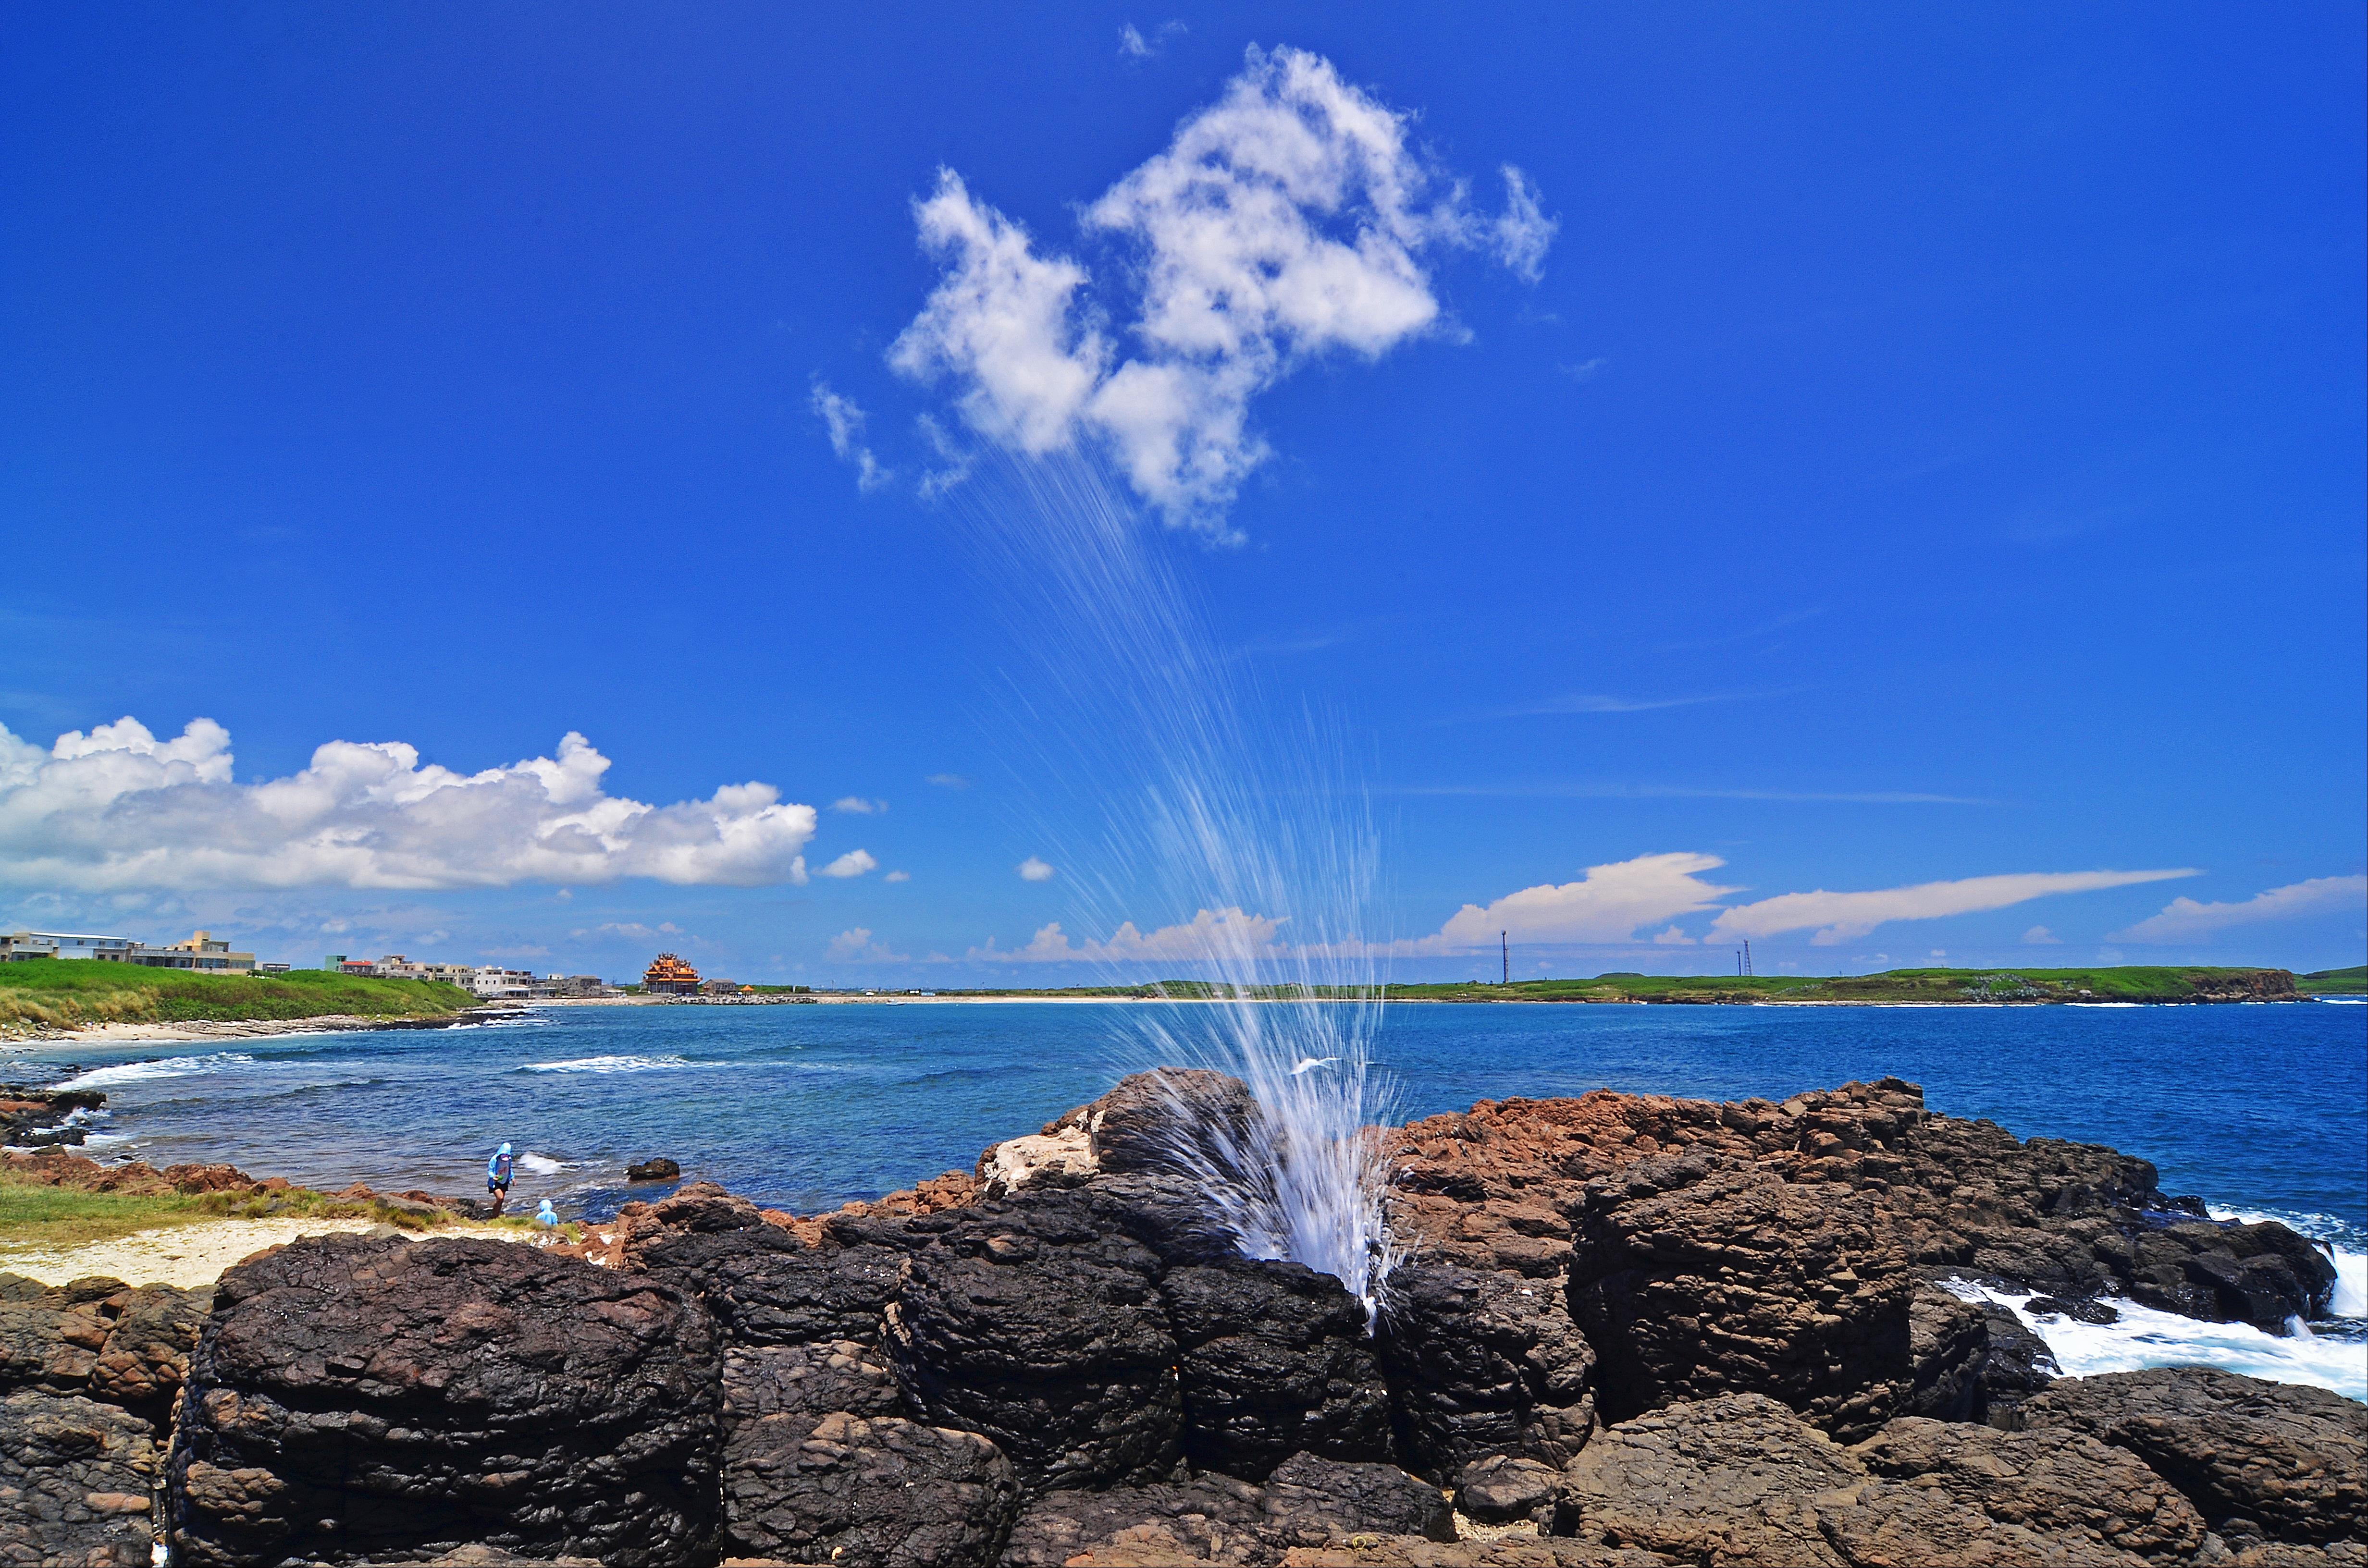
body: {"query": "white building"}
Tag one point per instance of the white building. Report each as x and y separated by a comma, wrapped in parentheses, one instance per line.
(493, 985)
(200, 953)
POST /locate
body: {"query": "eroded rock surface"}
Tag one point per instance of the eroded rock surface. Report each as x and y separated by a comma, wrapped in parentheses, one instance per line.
(867, 1492)
(2274, 1459)
(354, 1396)
(102, 1338)
(78, 1483)
(1742, 1480)
(1308, 1502)
(1485, 1361)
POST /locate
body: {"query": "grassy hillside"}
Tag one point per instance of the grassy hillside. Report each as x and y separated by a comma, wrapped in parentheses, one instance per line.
(63, 992)
(2349, 981)
(2163, 984)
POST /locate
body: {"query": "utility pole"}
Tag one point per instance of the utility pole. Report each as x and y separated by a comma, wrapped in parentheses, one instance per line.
(1505, 952)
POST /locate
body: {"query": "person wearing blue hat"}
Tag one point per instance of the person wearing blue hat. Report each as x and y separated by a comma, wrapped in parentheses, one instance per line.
(498, 1171)
(547, 1217)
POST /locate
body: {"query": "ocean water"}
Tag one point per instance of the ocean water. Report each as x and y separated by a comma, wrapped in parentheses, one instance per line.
(2259, 1110)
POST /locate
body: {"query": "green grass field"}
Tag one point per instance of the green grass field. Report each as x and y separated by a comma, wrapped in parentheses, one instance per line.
(2350, 981)
(62, 993)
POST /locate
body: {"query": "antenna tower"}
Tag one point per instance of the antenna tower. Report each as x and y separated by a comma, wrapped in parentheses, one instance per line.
(1505, 954)
(1747, 957)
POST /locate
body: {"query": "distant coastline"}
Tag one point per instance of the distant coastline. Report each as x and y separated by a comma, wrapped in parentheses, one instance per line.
(99, 1003)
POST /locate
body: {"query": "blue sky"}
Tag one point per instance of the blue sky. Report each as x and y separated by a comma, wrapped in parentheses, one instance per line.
(1930, 450)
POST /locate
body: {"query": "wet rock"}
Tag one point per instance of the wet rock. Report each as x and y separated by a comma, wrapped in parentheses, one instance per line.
(1484, 1362)
(2261, 1273)
(867, 1492)
(354, 1397)
(1273, 1361)
(43, 1115)
(1741, 1479)
(1028, 1321)
(1501, 1489)
(659, 1169)
(101, 1338)
(2285, 1463)
(77, 1484)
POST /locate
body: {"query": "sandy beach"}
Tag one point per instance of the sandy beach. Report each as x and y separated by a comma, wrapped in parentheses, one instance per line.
(196, 1254)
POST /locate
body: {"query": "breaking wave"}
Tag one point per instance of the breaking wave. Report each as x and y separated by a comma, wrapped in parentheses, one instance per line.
(160, 1067)
(610, 1064)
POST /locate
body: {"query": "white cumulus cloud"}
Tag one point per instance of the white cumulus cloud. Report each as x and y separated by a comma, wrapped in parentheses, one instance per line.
(1609, 905)
(1032, 869)
(2041, 936)
(119, 809)
(854, 863)
(2185, 920)
(856, 805)
(1841, 916)
(1287, 222)
(856, 945)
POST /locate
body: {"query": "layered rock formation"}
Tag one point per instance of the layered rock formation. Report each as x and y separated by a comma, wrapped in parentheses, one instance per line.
(1631, 1331)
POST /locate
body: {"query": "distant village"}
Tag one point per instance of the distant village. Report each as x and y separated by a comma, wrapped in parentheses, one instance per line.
(667, 975)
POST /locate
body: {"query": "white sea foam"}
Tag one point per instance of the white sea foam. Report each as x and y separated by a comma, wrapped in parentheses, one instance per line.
(610, 1064)
(540, 1165)
(2144, 1336)
(162, 1067)
(2343, 1001)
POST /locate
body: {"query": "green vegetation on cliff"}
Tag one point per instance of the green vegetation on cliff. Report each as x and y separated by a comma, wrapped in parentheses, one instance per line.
(65, 993)
(2349, 981)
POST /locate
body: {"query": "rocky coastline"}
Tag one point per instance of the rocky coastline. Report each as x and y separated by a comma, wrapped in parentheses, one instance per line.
(1630, 1330)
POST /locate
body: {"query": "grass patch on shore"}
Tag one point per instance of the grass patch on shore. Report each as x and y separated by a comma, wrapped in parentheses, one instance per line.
(58, 994)
(2126, 983)
(37, 1215)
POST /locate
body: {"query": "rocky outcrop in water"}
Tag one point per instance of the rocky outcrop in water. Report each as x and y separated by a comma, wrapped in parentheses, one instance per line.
(1633, 1331)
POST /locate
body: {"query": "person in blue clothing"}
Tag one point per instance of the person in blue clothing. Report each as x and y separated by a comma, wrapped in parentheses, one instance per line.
(498, 1171)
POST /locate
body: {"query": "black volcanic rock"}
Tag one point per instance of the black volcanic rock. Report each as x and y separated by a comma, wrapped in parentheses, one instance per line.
(1028, 1321)
(1484, 1362)
(78, 1481)
(867, 1492)
(354, 1396)
(1273, 1361)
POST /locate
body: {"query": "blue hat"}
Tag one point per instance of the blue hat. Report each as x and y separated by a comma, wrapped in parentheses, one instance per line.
(503, 1150)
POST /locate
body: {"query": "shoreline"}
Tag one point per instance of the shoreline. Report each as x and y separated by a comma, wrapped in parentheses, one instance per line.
(199, 1252)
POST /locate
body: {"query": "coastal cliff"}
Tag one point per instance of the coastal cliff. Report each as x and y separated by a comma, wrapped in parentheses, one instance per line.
(1631, 1330)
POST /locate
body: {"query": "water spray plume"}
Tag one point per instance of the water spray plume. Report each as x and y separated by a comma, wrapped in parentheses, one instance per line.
(1210, 809)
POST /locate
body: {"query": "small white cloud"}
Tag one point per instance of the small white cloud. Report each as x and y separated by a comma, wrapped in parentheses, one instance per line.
(2041, 936)
(1133, 46)
(2185, 920)
(1522, 233)
(947, 781)
(1211, 936)
(897, 877)
(854, 863)
(1032, 869)
(843, 421)
(856, 805)
(1585, 369)
(855, 945)
(1672, 937)
(1843, 916)
(118, 808)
